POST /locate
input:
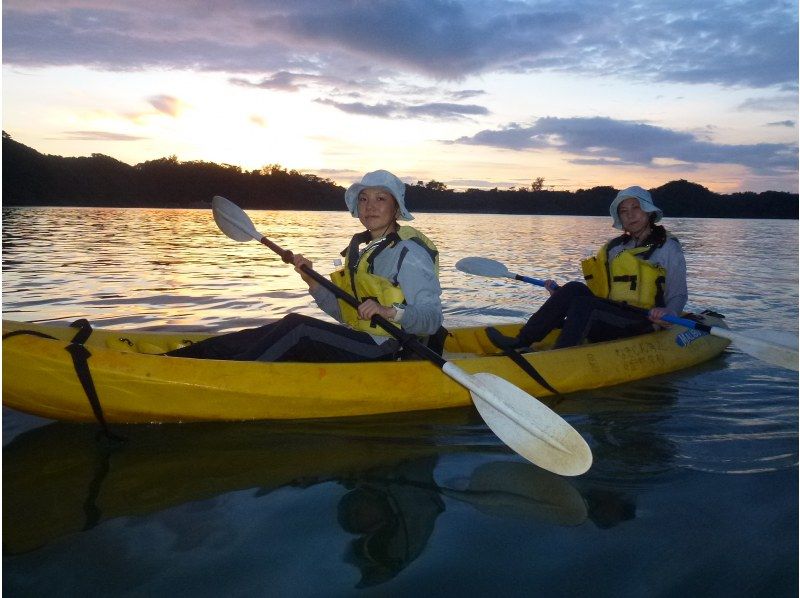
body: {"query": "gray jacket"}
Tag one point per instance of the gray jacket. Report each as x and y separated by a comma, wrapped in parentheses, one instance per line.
(412, 267)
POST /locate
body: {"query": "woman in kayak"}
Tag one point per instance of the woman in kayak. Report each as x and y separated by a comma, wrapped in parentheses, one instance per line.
(633, 281)
(394, 275)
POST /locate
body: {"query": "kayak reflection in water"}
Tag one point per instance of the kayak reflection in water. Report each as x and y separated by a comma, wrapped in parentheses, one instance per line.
(393, 512)
(643, 269)
(395, 276)
(393, 509)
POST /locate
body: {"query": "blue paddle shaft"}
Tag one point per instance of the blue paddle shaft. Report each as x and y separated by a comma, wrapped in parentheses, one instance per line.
(537, 281)
(687, 323)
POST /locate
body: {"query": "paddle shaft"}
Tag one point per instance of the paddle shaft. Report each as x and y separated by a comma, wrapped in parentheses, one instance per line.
(405, 339)
(667, 318)
(782, 353)
(536, 281)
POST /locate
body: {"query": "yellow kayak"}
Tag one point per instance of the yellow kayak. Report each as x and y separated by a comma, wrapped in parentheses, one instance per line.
(135, 384)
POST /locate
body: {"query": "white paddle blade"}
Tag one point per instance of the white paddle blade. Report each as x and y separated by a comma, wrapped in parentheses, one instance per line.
(531, 428)
(772, 346)
(233, 221)
(525, 424)
(483, 266)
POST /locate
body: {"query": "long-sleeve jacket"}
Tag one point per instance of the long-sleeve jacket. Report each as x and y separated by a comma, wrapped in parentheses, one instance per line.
(412, 267)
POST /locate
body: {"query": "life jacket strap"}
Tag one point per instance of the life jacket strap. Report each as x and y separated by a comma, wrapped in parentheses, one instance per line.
(631, 278)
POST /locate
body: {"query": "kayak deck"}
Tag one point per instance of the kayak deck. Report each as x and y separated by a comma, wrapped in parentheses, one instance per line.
(135, 384)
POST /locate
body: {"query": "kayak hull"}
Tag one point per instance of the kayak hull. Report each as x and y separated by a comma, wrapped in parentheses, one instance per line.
(136, 385)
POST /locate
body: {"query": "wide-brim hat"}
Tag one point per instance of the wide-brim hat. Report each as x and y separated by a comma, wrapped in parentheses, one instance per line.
(645, 203)
(382, 179)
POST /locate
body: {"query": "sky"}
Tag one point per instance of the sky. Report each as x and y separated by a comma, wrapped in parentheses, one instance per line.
(471, 93)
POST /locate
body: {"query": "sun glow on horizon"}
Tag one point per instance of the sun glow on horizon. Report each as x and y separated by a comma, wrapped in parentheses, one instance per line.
(141, 116)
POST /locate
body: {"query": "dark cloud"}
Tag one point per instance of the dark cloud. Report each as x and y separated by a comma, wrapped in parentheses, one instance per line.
(383, 110)
(391, 109)
(752, 43)
(336, 87)
(782, 123)
(610, 142)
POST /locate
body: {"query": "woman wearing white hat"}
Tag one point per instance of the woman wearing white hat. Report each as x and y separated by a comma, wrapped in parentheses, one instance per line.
(395, 275)
(643, 268)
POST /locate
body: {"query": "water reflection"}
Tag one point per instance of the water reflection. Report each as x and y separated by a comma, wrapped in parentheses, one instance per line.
(392, 511)
(183, 509)
(61, 479)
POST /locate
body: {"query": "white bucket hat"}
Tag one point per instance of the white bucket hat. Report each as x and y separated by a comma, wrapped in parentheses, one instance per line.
(384, 180)
(645, 202)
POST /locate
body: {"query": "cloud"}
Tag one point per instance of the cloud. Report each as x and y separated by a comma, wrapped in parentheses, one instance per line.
(166, 105)
(483, 184)
(286, 81)
(97, 136)
(391, 109)
(337, 172)
(291, 82)
(382, 110)
(444, 110)
(716, 41)
(772, 104)
(782, 123)
(609, 142)
(466, 94)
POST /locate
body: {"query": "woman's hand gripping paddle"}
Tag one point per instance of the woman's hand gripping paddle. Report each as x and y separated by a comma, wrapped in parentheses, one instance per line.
(518, 419)
(771, 346)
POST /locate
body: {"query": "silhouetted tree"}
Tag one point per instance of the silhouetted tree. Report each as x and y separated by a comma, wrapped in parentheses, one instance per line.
(32, 178)
(435, 186)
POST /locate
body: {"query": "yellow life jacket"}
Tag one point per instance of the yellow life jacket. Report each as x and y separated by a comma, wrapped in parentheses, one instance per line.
(630, 278)
(356, 276)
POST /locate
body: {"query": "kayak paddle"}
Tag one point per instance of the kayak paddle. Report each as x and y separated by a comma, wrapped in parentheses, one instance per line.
(772, 346)
(483, 266)
(525, 424)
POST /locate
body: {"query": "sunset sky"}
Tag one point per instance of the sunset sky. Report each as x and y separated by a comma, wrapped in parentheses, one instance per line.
(484, 93)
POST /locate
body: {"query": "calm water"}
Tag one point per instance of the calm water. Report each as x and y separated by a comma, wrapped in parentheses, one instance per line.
(694, 489)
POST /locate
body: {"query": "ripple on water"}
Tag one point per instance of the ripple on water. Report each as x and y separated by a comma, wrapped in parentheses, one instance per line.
(742, 423)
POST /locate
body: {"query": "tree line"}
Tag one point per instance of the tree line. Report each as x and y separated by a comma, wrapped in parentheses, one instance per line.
(34, 179)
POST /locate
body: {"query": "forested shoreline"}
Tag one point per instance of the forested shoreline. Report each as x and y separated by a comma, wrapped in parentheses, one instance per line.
(31, 178)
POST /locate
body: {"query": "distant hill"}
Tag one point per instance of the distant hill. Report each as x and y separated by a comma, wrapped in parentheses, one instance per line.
(34, 179)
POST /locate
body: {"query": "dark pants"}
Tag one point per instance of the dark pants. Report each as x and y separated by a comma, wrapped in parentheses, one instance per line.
(293, 338)
(581, 316)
